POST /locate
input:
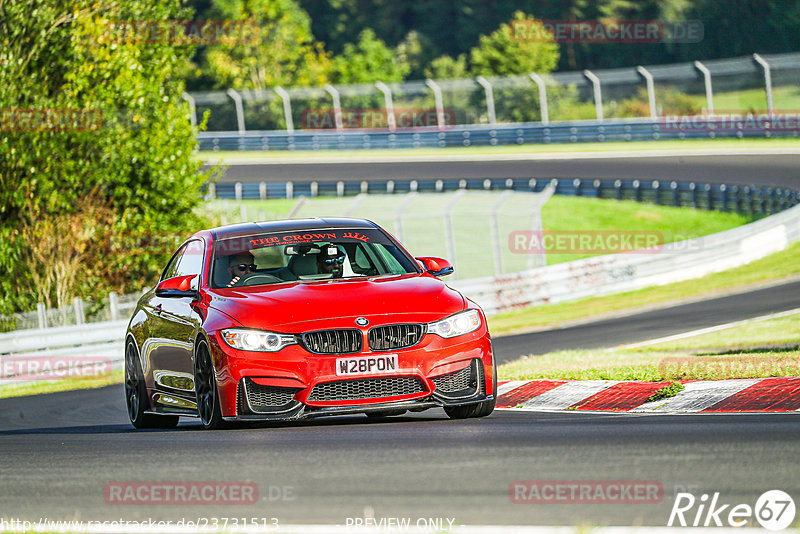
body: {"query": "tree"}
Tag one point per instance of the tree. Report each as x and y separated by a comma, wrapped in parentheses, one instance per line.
(283, 52)
(508, 51)
(95, 150)
(368, 60)
(447, 68)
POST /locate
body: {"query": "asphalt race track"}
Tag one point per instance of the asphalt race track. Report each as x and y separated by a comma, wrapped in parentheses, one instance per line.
(776, 170)
(58, 452)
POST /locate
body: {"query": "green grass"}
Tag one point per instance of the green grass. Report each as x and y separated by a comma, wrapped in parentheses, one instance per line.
(667, 392)
(785, 99)
(763, 349)
(66, 384)
(668, 224)
(777, 331)
(773, 267)
(632, 146)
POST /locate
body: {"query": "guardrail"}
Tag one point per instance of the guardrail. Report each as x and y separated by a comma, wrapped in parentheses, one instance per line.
(645, 129)
(616, 273)
(68, 350)
(749, 199)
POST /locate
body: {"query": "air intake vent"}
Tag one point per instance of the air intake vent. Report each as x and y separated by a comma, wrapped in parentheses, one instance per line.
(371, 388)
(333, 341)
(462, 384)
(254, 398)
(396, 336)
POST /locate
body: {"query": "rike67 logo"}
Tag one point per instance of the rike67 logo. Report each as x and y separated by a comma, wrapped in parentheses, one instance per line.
(773, 510)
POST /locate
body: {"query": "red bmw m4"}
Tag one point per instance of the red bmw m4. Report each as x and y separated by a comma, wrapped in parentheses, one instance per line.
(297, 319)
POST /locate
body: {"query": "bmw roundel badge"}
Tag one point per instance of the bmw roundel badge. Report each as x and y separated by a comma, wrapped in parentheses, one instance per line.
(362, 321)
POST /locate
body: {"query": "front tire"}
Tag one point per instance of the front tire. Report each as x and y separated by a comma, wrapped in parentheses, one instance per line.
(136, 395)
(205, 385)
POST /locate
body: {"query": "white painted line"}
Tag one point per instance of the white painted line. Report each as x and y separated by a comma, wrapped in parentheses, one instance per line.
(698, 396)
(454, 158)
(566, 395)
(710, 329)
(510, 385)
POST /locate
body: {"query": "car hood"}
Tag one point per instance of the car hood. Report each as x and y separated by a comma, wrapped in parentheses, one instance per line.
(388, 299)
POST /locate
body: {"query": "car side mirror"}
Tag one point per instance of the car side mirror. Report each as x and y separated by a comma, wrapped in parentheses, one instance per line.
(436, 266)
(179, 286)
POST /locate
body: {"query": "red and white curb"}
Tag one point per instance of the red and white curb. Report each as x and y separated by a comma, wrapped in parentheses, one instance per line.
(719, 396)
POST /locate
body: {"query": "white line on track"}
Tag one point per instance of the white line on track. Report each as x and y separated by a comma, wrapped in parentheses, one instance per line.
(710, 329)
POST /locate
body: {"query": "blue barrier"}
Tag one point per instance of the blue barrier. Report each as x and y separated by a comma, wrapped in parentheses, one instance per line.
(505, 134)
(749, 199)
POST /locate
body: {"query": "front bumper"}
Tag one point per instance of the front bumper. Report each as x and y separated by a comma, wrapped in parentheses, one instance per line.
(295, 384)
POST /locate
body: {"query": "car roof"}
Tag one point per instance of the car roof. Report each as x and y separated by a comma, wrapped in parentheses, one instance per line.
(317, 223)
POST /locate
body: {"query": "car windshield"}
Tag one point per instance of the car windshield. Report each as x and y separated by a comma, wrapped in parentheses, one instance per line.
(277, 257)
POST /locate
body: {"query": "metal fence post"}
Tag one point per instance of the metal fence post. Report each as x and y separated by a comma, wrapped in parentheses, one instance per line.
(398, 214)
(287, 108)
(113, 304)
(767, 80)
(237, 190)
(237, 102)
(41, 312)
(388, 104)
(262, 190)
(709, 91)
(597, 91)
(192, 108)
(437, 98)
(289, 189)
(449, 233)
(77, 304)
(495, 229)
(538, 80)
(487, 88)
(337, 106)
(651, 90)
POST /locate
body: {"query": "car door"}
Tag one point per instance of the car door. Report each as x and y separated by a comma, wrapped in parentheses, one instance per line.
(172, 342)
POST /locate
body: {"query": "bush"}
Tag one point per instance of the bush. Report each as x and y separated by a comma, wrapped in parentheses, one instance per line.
(95, 150)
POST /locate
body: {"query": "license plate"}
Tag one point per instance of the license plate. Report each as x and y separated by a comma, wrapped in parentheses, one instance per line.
(366, 365)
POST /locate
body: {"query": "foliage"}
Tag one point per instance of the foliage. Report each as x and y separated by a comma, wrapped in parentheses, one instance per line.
(283, 52)
(502, 53)
(447, 68)
(368, 60)
(117, 167)
(666, 392)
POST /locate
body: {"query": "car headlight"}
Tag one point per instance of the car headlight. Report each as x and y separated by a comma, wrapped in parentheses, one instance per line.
(456, 325)
(256, 340)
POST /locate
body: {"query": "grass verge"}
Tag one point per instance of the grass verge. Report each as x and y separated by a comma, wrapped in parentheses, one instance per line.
(633, 146)
(739, 352)
(773, 267)
(66, 384)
